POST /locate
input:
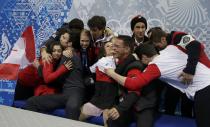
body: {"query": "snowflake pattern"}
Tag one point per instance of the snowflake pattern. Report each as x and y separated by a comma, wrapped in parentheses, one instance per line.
(7, 90)
(194, 19)
(1, 100)
(16, 15)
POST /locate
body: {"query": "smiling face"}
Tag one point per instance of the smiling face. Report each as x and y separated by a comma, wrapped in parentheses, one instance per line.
(56, 52)
(120, 51)
(84, 40)
(108, 47)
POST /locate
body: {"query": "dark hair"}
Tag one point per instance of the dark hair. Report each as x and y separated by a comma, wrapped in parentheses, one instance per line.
(63, 31)
(137, 19)
(65, 25)
(52, 46)
(98, 22)
(147, 49)
(76, 24)
(75, 38)
(128, 41)
(157, 34)
(153, 28)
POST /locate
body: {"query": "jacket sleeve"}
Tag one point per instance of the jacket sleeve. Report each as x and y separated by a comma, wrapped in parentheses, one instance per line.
(193, 52)
(49, 75)
(142, 79)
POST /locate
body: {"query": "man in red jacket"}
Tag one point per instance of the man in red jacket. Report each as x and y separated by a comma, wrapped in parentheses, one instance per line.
(131, 105)
(167, 65)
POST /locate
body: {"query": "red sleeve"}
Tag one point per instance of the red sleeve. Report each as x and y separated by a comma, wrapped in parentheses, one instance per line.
(141, 79)
(48, 73)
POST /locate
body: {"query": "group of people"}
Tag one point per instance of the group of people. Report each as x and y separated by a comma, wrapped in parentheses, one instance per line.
(94, 72)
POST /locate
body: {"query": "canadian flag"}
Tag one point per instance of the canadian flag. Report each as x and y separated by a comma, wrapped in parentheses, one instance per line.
(21, 55)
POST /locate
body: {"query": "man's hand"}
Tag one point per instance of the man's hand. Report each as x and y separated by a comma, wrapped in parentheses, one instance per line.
(68, 64)
(108, 32)
(113, 114)
(68, 53)
(109, 71)
(46, 57)
(186, 78)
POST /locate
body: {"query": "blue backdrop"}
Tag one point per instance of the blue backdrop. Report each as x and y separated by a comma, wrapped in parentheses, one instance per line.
(15, 15)
(44, 15)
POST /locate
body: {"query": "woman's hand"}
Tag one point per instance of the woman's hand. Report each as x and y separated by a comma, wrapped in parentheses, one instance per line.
(46, 57)
(68, 64)
(68, 53)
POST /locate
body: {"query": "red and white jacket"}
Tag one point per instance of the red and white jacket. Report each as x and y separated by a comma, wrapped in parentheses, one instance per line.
(167, 66)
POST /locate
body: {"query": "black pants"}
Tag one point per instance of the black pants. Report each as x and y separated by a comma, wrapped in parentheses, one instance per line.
(23, 92)
(172, 97)
(144, 118)
(202, 107)
(72, 100)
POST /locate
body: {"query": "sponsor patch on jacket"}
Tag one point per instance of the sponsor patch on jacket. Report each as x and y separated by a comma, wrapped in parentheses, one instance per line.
(186, 39)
